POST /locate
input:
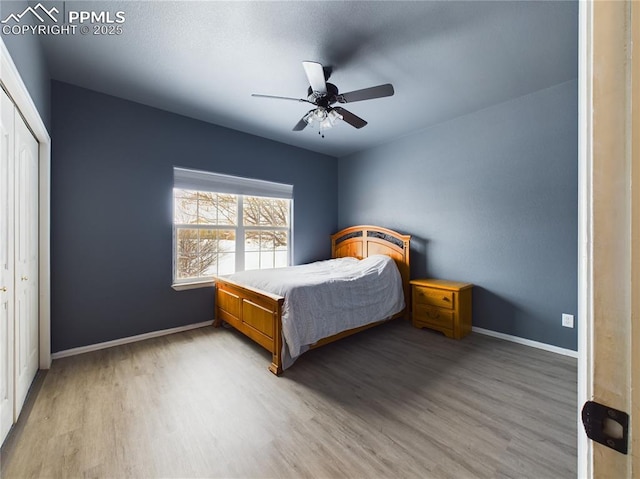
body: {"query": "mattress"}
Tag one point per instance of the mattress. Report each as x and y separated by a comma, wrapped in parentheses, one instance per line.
(327, 297)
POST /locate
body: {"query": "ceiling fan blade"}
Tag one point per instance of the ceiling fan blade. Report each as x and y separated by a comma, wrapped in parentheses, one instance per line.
(301, 125)
(350, 118)
(282, 98)
(367, 93)
(315, 75)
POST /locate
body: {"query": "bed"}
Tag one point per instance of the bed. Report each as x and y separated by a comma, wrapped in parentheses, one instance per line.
(258, 313)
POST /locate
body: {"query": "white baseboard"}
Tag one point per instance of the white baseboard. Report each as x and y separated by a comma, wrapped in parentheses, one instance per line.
(165, 332)
(526, 342)
(130, 339)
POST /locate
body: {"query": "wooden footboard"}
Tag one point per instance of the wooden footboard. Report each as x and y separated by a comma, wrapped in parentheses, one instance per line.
(257, 314)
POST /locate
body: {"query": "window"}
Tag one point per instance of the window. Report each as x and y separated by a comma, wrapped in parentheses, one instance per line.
(205, 233)
(223, 224)
(266, 232)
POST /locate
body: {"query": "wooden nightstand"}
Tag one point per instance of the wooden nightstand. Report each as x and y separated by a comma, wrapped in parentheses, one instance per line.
(442, 305)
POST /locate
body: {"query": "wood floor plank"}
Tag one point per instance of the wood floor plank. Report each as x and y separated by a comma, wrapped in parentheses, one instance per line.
(390, 402)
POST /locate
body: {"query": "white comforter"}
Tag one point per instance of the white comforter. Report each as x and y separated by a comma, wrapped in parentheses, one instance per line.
(327, 297)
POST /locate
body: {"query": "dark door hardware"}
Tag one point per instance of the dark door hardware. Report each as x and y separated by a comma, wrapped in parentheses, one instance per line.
(606, 425)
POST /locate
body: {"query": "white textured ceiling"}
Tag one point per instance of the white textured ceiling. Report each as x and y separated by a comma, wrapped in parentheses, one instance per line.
(205, 59)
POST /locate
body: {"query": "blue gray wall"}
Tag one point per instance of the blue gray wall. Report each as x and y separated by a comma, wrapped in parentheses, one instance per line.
(112, 180)
(490, 198)
(28, 56)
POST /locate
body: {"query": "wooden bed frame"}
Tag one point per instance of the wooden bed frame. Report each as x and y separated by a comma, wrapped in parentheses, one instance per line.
(257, 314)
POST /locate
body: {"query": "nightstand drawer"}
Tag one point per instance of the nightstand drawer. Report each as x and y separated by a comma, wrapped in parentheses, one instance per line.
(434, 297)
(430, 315)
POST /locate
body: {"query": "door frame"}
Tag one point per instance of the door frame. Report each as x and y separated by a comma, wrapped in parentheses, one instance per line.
(585, 293)
(635, 242)
(12, 81)
(609, 226)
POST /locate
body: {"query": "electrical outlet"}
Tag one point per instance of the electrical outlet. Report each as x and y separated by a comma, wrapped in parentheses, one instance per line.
(567, 320)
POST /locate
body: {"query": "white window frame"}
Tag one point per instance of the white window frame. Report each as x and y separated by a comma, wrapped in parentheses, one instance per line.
(241, 228)
(198, 180)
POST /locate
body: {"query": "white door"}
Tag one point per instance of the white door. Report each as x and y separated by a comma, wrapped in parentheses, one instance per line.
(6, 264)
(26, 260)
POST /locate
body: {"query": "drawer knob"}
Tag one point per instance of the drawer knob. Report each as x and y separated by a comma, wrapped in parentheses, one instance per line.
(444, 298)
(3, 289)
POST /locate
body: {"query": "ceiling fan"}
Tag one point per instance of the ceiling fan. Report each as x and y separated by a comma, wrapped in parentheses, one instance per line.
(323, 95)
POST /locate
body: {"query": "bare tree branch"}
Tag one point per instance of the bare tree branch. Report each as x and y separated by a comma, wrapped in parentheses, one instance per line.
(198, 250)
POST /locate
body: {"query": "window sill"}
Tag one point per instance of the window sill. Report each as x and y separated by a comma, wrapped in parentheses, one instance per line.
(194, 285)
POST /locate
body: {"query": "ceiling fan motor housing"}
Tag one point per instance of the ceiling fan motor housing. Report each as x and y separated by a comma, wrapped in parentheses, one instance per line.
(325, 100)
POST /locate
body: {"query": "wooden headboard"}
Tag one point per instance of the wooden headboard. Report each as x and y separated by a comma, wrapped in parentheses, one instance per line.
(365, 240)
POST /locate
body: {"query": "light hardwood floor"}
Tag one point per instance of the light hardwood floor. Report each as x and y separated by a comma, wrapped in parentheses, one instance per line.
(390, 402)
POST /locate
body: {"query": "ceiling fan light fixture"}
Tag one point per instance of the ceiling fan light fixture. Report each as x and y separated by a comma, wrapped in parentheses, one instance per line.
(334, 116)
(330, 120)
(309, 117)
(321, 117)
(326, 123)
(320, 114)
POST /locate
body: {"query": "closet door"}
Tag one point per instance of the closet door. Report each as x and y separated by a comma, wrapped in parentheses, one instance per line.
(26, 260)
(6, 264)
